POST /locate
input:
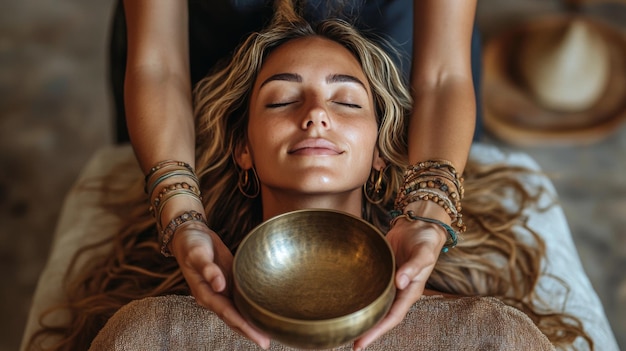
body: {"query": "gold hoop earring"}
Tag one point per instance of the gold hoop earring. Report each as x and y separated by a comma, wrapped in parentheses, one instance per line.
(372, 189)
(249, 189)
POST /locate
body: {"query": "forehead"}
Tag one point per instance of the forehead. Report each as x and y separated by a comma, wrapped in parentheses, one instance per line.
(311, 54)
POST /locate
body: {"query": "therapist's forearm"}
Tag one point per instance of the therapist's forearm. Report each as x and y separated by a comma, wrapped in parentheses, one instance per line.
(157, 87)
(444, 106)
(443, 121)
(160, 122)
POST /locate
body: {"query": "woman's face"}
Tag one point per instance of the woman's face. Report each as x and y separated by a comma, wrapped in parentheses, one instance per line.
(312, 126)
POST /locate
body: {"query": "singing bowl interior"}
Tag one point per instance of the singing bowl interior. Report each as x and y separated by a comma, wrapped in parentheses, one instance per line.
(314, 278)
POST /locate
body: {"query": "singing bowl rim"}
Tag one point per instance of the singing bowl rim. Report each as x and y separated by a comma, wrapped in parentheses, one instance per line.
(253, 310)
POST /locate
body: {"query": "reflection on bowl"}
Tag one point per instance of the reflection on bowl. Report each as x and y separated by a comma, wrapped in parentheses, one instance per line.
(314, 278)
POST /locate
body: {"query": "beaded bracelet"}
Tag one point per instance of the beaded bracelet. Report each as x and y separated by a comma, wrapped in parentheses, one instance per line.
(434, 196)
(165, 164)
(159, 209)
(184, 186)
(437, 181)
(441, 178)
(410, 216)
(168, 232)
(434, 164)
(159, 203)
(449, 179)
(441, 167)
(174, 173)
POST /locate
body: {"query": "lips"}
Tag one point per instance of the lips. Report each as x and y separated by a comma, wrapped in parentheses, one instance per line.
(315, 147)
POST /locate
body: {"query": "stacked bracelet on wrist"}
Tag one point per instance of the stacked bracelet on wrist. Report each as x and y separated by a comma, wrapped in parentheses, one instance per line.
(166, 178)
(161, 166)
(410, 215)
(436, 181)
(165, 236)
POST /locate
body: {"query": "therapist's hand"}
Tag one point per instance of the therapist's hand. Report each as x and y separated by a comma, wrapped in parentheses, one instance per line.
(206, 264)
(416, 246)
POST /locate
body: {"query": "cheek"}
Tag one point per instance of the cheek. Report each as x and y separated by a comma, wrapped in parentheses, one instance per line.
(363, 141)
(262, 134)
(365, 135)
(257, 128)
(265, 139)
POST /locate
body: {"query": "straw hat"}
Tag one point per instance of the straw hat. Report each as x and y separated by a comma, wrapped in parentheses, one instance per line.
(554, 80)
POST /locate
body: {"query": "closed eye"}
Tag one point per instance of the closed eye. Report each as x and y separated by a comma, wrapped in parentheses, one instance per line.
(347, 104)
(279, 104)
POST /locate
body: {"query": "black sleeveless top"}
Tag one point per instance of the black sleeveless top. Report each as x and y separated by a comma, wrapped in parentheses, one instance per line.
(218, 26)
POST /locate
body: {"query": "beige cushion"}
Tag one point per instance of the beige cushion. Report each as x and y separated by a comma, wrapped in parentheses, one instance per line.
(433, 323)
(82, 222)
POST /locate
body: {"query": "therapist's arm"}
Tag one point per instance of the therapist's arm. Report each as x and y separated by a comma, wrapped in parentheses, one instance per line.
(444, 112)
(157, 87)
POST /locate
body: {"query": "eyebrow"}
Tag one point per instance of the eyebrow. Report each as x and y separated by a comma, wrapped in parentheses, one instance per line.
(344, 78)
(289, 77)
(333, 78)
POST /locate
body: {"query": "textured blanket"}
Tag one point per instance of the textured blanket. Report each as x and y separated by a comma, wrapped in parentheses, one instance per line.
(433, 323)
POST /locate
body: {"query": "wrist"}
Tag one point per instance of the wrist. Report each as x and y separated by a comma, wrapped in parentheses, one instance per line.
(447, 235)
(187, 228)
(429, 209)
(167, 234)
(177, 206)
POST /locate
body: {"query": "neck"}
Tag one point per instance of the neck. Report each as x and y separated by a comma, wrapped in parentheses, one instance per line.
(279, 202)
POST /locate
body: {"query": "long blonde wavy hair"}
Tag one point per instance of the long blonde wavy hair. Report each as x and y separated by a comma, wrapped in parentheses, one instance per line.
(490, 260)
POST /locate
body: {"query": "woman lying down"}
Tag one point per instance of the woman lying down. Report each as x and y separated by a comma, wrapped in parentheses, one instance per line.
(313, 116)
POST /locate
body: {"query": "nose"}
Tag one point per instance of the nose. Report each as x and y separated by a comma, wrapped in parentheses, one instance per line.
(316, 116)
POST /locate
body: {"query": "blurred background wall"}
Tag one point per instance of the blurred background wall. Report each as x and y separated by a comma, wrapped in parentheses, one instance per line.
(55, 110)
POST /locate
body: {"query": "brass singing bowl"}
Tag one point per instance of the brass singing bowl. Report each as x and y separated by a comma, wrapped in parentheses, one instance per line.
(314, 278)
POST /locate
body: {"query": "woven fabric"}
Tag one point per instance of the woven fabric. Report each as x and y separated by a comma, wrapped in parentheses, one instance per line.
(433, 323)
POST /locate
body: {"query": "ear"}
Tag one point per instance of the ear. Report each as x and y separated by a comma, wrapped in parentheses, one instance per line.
(243, 156)
(378, 162)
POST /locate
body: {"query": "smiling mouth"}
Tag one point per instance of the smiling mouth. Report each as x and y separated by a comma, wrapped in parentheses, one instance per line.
(315, 147)
(314, 151)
